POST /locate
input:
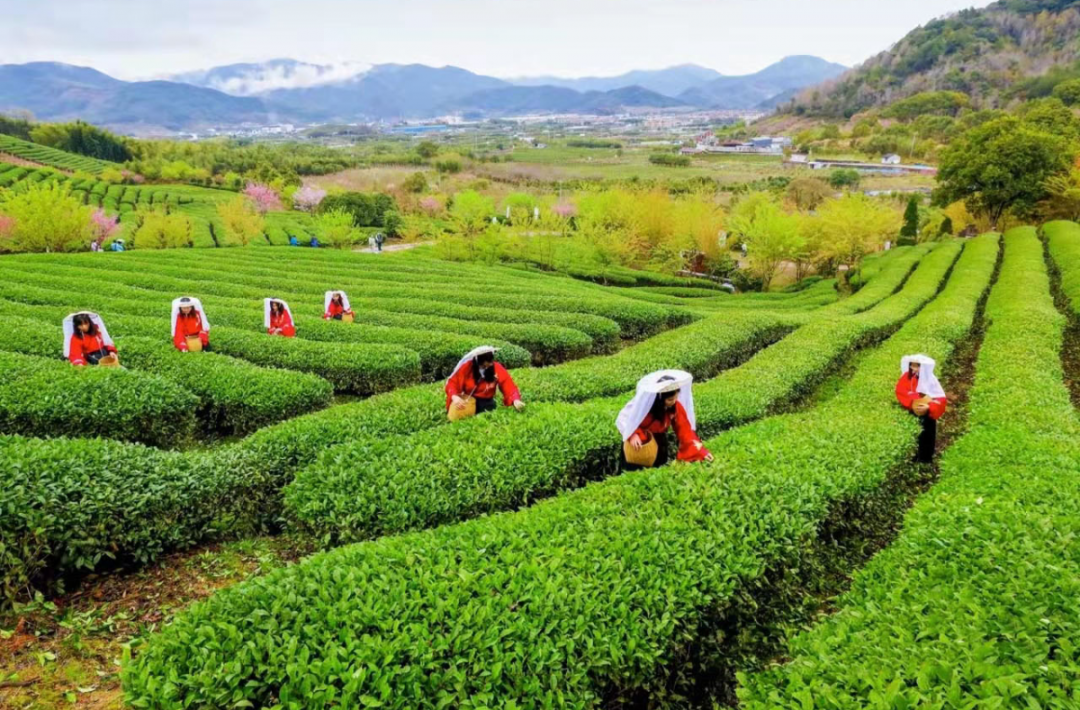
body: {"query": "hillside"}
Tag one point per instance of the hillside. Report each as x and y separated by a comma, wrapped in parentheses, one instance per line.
(751, 90)
(1008, 50)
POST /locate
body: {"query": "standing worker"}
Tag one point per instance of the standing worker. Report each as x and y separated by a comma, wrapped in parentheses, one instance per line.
(920, 392)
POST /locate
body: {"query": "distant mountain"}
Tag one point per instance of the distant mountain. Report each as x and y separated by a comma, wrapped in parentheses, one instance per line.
(752, 90)
(1008, 49)
(253, 79)
(669, 82)
(518, 100)
(61, 92)
(387, 91)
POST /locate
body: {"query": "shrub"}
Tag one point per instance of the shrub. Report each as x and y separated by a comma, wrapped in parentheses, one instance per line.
(670, 160)
(161, 230)
(338, 230)
(45, 219)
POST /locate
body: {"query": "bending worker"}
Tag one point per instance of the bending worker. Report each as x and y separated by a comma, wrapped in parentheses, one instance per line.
(86, 340)
(190, 327)
(664, 400)
(919, 391)
(475, 380)
(336, 306)
(277, 318)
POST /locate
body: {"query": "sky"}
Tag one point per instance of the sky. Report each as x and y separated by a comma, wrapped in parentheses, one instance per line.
(137, 39)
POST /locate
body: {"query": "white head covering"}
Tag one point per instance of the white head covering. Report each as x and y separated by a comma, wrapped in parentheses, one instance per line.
(194, 303)
(266, 310)
(648, 387)
(69, 330)
(330, 296)
(470, 356)
(928, 382)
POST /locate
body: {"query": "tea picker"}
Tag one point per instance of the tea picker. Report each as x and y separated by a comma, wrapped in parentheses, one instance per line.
(664, 400)
(471, 389)
(277, 318)
(87, 341)
(918, 390)
(190, 327)
(336, 307)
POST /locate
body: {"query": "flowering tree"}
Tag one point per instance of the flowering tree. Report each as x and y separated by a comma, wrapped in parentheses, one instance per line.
(565, 210)
(431, 204)
(7, 231)
(102, 225)
(307, 198)
(264, 197)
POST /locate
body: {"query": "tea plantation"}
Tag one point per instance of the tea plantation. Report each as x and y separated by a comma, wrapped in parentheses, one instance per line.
(507, 561)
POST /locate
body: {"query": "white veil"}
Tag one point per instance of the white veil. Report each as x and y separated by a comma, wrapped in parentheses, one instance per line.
(266, 311)
(69, 330)
(648, 387)
(928, 381)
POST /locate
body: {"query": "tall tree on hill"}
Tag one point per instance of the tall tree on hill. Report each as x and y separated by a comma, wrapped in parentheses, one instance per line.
(1000, 166)
(909, 233)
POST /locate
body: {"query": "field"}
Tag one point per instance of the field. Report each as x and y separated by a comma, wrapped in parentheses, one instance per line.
(507, 561)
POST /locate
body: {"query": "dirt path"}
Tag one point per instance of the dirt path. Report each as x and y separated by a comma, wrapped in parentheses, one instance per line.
(386, 248)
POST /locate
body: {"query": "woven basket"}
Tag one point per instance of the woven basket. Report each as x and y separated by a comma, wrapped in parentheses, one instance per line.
(347, 318)
(109, 361)
(645, 456)
(456, 414)
(194, 344)
(921, 406)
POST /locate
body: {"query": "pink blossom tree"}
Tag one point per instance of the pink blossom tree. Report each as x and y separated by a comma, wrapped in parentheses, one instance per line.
(565, 210)
(307, 198)
(264, 197)
(7, 229)
(102, 225)
(431, 204)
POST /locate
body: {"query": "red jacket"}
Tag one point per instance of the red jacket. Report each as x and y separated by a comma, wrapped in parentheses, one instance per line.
(462, 384)
(81, 345)
(335, 310)
(281, 321)
(189, 325)
(906, 394)
(690, 447)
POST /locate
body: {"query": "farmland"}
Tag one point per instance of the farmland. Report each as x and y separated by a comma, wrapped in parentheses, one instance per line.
(215, 477)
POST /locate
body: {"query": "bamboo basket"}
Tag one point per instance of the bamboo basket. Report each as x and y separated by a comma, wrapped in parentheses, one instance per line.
(347, 317)
(645, 456)
(109, 361)
(456, 414)
(194, 344)
(921, 406)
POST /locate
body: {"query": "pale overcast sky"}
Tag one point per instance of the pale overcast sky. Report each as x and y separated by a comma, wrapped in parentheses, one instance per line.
(133, 39)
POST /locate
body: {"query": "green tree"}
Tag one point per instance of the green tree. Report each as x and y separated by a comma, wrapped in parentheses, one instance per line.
(163, 231)
(999, 166)
(520, 206)
(241, 221)
(845, 230)
(427, 150)
(807, 193)
(84, 139)
(337, 229)
(909, 232)
(415, 183)
(946, 229)
(770, 234)
(1051, 116)
(44, 218)
(1068, 92)
(844, 177)
(448, 166)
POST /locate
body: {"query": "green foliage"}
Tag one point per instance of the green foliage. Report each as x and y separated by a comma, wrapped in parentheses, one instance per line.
(999, 166)
(241, 223)
(946, 103)
(844, 178)
(981, 565)
(671, 160)
(1068, 92)
(448, 166)
(909, 233)
(427, 150)
(51, 156)
(162, 230)
(771, 235)
(338, 229)
(82, 139)
(416, 183)
(46, 219)
(367, 210)
(593, 143)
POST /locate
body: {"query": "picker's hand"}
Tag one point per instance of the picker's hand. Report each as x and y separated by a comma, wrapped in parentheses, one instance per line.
(459, 403)
(635, 441)
(709, 458)
(519, 405)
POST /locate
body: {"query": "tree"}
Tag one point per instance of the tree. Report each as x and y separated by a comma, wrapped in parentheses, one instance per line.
(519, 207)
(84, 139)
(103, 225)
(264, 197)
(308, 198)
(770, 234)
(909, 232)
(847, 229)
(241, 221)
(415, 183)
(368, 210)
(338, 230)
(160, 230)
(844, 177)
(1051, 116)
(946, 228)
(448, 166)
(1068, 92)
(808, 193)
(427, 150)
(471, 215)
(45, 218)
(1001, 165)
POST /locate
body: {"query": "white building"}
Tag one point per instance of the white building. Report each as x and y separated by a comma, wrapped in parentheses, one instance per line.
(891, 159)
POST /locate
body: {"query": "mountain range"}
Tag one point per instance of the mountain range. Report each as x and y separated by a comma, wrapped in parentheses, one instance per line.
(286, 90)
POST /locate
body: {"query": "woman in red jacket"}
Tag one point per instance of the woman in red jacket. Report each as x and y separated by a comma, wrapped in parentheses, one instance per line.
(336, 305)
(664, 400)
(277, 318)
(189, 321)
(86, 341)
(919, 391)
(477, 375)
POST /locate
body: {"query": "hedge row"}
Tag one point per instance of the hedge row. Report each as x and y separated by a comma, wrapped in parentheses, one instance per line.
(235, 397)
(350, 367)
(602, 596)
(49, 398)
(1063, 239)
(976, 603)
(366, 489)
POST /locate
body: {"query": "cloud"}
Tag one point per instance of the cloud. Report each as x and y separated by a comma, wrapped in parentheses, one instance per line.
(268, 77)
